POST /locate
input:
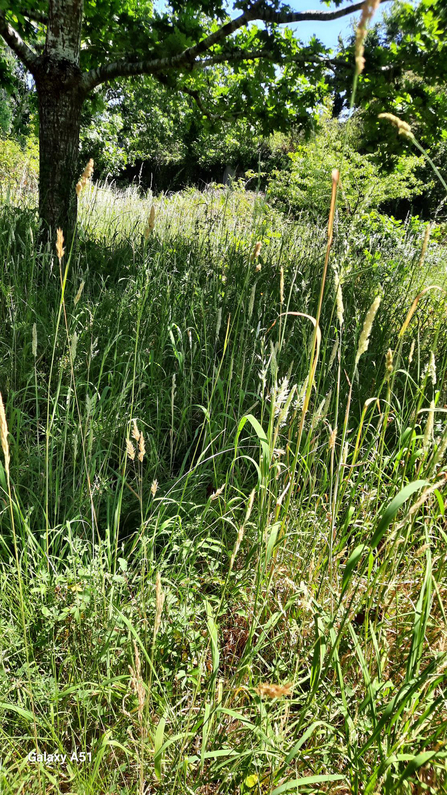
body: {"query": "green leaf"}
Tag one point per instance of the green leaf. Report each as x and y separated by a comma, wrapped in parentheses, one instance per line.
(392, 509)
(303, 782)
(158, 748)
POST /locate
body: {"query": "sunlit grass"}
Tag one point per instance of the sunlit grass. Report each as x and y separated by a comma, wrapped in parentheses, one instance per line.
(270, 616)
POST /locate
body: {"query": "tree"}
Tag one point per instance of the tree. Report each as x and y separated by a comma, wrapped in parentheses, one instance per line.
(406, 59)
(71, 47)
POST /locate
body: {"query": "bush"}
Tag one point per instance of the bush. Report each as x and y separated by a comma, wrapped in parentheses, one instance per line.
(19, 166)
(306, 184)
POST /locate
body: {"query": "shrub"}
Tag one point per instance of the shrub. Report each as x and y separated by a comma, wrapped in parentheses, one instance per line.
(19, 166)
(306, 184)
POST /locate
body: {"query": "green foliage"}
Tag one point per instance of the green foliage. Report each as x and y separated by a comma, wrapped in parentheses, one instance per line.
(405, 73)
(160, 626)
(19, 165)
(306, 184)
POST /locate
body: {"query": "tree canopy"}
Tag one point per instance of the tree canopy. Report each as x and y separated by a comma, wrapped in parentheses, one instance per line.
(236, 62)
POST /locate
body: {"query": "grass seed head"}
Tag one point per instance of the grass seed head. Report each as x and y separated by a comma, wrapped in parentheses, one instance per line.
(428, 432)
(256, 252)
(86, 176)
(60, 251)
(389, 364)
(135, 432)
(403, 127)
(369, 8)
(141, 447)
(150, 224)
(79, 293)
(339, 297)
(154, 487)
(34, 341)
(274, 691)
(130, 450)
(366, 330)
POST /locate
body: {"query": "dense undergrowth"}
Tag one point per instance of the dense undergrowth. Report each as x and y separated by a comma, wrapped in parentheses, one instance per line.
(217, 575)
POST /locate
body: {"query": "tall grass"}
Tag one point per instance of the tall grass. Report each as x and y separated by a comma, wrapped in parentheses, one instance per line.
(255, 602)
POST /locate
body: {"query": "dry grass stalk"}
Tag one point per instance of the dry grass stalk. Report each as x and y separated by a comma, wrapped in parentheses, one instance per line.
(369, 8)
(60, 251)
(4, 435)
(413, 306)
(241, 531)
(366, 330)
(86, 176)
(425, 244)
(137, 685)
(281, 285)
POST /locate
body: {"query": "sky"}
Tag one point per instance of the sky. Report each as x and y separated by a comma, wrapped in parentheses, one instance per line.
(327, 32)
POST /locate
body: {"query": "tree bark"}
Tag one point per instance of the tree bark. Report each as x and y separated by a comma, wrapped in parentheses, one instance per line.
(59, 128)
(61, 96)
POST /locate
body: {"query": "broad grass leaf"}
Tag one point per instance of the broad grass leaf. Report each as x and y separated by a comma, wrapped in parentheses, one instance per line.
(303, 782)
(392, 509)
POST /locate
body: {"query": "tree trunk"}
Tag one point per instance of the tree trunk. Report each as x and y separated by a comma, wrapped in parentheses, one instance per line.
(58, 81)
(59, 127)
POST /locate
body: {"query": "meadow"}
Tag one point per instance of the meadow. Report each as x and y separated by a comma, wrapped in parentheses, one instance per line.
(222, 500)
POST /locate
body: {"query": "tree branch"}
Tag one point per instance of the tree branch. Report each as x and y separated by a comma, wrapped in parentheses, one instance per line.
(128, 68)
(17, 45)
(188, 58)
(237, 56)
(287, 17)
